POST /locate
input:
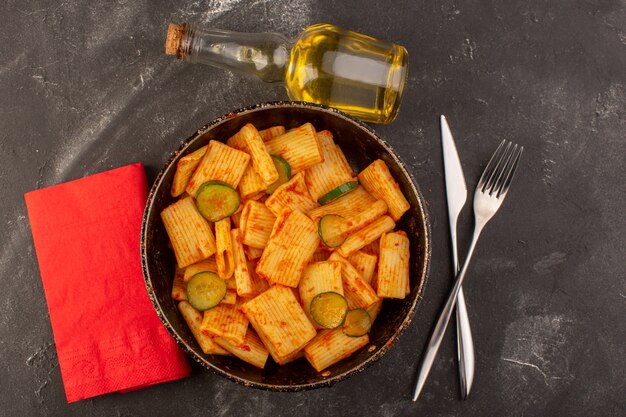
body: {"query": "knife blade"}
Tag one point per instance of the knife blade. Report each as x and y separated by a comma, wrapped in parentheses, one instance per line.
(456, 193)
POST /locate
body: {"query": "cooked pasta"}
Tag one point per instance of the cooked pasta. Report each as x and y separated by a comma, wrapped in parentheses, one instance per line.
(377, 179)
(280, 321)
(290, 248)
(273, 251)
(393, 269)
(190, 235)
(193, 318)
(219, 163)
(299, 147)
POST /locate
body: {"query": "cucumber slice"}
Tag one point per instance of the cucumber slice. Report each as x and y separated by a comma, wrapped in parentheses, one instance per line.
(358, 323)
(337, 192)
(329, 309)
(284, 173)
(205, 290)
(217, 200)
(330, 228)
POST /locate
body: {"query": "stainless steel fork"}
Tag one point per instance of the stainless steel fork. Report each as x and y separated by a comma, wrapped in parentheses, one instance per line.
(490, 192)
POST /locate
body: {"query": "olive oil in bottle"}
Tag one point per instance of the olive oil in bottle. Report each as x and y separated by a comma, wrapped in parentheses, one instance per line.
(355, 73)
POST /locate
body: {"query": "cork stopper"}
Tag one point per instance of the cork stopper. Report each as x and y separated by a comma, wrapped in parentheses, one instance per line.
(173, 39)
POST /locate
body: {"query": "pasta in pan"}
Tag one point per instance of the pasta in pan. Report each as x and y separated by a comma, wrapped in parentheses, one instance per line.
(282, 251)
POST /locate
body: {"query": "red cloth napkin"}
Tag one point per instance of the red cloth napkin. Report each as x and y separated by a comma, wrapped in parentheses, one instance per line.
(107, 335)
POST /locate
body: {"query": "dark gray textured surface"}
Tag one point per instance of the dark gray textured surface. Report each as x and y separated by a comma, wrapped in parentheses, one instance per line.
(85, 87)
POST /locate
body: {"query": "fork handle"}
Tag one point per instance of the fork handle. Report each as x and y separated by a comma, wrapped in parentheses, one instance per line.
(444, 318)
(465, 346)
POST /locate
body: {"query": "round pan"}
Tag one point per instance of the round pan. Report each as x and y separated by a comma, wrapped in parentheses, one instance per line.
(361, 146)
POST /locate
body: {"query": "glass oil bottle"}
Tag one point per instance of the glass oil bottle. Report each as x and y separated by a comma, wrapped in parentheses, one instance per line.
(355, 73)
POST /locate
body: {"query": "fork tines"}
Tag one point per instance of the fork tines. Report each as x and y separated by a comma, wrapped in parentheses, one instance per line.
(500, 170)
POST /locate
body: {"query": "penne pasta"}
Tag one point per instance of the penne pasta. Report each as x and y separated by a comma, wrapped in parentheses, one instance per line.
(291, 245)
(220, 163)
(185, 169)
(224, 254)
(193, 318)
(356, 290)
(225, 321)
(332, 172)
(251, 350)
(364, 263)
(208, 265)
(292, 195)
(245, 285)
(366, 235)
(393, 269)
(270, 132)
(249, 140)
(346, 206)
(377, 179)
(317, 278)
(293, 357)
(279, 321)
(299, 147)
(331, 346)
(191, 236)
(179, 289)
(258, 221)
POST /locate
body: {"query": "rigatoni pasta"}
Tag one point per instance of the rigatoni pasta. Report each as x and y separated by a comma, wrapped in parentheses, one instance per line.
(290, 248)
(245, 284)
(249, 140)
(365, 263)
(219, 163)
(292, 195)
(319, 277)
(332, 172)
(257, 224)
(299, 147)
(377, 179)
(224, 253)
(277, 315)
(366, 235)
(357, 291)
(225, 321)
(193, 318)
(393, 270)
(330, 346)
(270, 132)
(251, 350)
(190, 235)
(185, 169)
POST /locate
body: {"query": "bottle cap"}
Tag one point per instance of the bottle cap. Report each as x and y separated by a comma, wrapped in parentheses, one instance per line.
(173, 39)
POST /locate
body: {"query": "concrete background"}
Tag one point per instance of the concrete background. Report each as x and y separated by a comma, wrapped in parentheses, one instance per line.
(84, 87)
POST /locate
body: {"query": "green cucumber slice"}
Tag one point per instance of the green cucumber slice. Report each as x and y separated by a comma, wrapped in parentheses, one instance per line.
(205, 290)
(329, 309)
(337, 192)
(357, 323)
(284, 173)
(217, 200)
(330, 228)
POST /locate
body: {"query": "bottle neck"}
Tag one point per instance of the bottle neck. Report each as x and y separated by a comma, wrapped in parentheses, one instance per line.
(265, 55)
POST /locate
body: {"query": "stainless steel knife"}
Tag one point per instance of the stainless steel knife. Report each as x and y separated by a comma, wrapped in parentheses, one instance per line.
(456, 192)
